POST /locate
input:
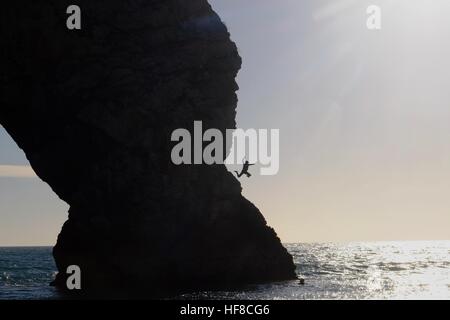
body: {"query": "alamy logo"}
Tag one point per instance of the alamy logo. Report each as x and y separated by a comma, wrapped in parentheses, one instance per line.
(74, 20)
(257, 146)
(73, 281)
(374, 19)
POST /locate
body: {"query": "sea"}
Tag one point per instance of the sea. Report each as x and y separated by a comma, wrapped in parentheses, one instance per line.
(347, 271)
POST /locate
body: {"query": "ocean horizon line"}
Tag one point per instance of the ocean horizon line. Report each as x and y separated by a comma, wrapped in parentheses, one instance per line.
(283, 242)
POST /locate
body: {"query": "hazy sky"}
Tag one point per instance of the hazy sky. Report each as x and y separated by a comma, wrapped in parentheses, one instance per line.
(364, 119)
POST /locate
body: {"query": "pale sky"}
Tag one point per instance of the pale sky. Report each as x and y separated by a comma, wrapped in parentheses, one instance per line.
(364, 119)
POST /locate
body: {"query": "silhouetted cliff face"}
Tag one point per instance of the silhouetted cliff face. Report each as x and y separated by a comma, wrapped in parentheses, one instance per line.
(94, 110)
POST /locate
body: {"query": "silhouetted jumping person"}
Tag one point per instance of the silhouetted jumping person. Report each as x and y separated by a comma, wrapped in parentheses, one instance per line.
(245, 170)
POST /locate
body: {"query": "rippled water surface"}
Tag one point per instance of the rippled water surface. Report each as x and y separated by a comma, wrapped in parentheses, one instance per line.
(380, 270)
(26, 272)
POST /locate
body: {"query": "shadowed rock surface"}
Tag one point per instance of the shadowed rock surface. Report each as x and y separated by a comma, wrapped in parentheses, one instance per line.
(94, 110)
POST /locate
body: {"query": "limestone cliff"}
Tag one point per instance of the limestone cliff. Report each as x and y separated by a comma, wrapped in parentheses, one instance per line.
(93, 110)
